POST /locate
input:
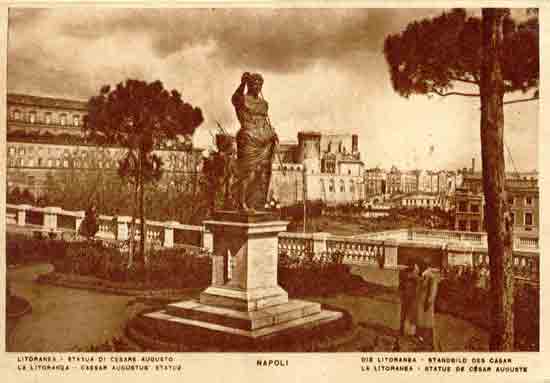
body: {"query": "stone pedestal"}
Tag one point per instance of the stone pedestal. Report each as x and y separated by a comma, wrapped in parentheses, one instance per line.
(244, 297)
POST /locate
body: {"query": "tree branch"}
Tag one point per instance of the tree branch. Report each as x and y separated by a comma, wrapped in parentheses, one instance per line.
(520, 100)
(442, 94)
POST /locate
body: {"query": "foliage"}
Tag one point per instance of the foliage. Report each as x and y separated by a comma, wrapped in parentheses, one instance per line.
(432, 56)
(21, 249)
(139, 116)
(308, 275)
(15, 196)
(166, 268)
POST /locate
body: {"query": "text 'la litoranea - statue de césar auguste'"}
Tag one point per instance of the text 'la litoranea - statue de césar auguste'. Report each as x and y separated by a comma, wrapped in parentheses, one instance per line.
(256, 143)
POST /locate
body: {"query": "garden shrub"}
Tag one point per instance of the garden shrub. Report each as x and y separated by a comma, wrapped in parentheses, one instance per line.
(306, 275)
(460, 296)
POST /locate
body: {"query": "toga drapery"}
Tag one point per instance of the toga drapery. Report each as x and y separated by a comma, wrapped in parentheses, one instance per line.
(255, 145)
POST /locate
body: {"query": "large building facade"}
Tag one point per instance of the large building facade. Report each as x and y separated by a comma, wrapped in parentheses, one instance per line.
(45, 137)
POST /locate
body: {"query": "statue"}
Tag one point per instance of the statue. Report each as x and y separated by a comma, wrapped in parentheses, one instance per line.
(256, 144)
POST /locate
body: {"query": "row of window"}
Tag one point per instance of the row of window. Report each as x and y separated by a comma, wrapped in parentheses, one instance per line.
(415, 202)
(513, 201)
(463, 225)
(47, 118)
(332, 188)
(463, 207)
(528, 219)
(60, 163)
(74, 162)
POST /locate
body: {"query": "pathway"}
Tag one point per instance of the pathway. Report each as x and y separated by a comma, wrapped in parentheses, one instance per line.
(65, 319)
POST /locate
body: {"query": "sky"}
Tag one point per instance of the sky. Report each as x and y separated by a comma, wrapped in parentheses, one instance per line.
(323, 70)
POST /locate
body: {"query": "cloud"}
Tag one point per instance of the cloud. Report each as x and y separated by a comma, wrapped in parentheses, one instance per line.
(323, 69)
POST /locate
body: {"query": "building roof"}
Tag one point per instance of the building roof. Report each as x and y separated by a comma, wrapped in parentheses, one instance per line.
(46, 102)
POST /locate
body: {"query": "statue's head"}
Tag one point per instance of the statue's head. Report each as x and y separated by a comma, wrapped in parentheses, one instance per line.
(254, 83)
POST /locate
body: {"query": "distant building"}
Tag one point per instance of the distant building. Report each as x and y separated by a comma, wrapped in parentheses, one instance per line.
(394, 181)
(375, 181)
(325, 167)
(45, 137)
(523, 201)
(409, 182)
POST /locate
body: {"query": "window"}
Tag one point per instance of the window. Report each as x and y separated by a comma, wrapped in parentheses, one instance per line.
(331, 186)
(39, 162)
(511, 201)
(32, 117)
(474, 226)
(474, 208)
(349, 171)
(50, 163)
(529, 201)
(63, 119)
(513, 218)
(462, 225)
(16, 114)
(342, 187)
(528, 219)
(462, 206)
(76, 120)
(12, 151)
(48, 118)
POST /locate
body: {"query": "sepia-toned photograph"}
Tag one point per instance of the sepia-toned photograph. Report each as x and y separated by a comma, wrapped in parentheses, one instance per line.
(259, 180)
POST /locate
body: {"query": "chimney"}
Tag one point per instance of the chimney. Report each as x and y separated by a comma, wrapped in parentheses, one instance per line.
(473, 165)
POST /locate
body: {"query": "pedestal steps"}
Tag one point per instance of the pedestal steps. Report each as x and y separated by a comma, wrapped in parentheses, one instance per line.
(307, 322)
(244, 320)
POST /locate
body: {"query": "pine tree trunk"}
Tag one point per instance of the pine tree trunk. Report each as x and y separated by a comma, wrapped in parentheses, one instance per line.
(499, 234)
(141, 210)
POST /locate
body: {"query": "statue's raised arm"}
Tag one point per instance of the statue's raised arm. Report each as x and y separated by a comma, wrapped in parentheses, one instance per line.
(256, 143)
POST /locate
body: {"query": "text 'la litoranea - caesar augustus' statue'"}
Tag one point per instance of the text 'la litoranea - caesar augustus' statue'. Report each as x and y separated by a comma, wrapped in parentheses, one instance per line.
(256, 143)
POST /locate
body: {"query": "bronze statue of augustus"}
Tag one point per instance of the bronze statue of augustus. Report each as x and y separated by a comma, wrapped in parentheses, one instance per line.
(256, 143)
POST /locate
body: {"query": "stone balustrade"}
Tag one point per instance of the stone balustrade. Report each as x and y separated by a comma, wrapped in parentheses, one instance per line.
(392, 248)
(447, 250)
(55, 219)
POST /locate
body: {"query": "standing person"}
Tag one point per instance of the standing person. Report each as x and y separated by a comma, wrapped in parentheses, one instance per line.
(426, 293)
(408, 279)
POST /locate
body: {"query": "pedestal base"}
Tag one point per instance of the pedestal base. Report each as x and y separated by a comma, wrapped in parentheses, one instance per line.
(294, 314)
(244, 300)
